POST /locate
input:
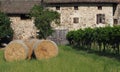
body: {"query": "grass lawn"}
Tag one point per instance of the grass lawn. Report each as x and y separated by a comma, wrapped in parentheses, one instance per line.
(68, 60)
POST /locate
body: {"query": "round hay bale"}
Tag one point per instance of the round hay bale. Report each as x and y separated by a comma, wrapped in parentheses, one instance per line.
(30, 44)
(45, 49)
(16, 50)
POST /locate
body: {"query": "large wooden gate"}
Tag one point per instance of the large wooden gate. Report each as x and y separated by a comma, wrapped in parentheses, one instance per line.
(59, 36)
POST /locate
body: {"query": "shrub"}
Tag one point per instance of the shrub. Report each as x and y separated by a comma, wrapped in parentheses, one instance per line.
(5, 29)
(105, 38)
(70, 37)
(6, 32)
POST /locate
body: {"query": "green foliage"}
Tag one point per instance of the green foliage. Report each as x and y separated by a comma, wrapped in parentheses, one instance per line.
(104, 37)
(70, 37)
(88, 39)
(43, 19)
(5, 28)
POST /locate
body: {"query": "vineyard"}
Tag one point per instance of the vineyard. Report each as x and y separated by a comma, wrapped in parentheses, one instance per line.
(103, 39)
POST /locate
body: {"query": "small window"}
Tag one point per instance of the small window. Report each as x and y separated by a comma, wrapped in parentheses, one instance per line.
(115, 21)
(75, 7)
(99, 7)
(101, 18)
(57, 7)
(76, 20)
(24, 17)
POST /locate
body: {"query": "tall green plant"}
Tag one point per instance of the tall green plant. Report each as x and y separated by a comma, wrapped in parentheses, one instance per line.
(43, 19)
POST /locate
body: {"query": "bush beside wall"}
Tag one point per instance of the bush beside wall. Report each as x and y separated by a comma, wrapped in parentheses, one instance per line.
(100, 39)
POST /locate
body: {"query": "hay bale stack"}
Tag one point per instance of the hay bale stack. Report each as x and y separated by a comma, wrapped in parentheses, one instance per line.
(30, 44)
(45, 49)
(16, 50)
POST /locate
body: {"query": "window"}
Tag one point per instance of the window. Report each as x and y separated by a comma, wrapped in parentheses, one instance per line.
(101, 18)
(76, 20)
(99, 7)
(57, 7)
(115, 21)
(24, 17)
(75, 7)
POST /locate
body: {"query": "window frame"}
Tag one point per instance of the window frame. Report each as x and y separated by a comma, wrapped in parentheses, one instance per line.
(76, 20)
(99, 7)
(100, 18)
(57, 7)
(76, 8)
(115, 21)
(24, 17)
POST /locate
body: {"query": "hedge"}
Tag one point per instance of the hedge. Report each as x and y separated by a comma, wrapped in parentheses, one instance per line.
(101, 39)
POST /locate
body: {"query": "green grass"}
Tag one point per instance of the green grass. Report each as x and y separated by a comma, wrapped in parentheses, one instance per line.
(68, 60)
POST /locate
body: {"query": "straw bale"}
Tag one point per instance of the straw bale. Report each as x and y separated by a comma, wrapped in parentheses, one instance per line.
(45, 49)
(30, 44)
(16, 50)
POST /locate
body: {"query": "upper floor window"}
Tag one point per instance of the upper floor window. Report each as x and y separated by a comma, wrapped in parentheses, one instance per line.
(99, 7)
(101, 18)
(76, 20)
(57, 7)
(24, 17)
(75, 7)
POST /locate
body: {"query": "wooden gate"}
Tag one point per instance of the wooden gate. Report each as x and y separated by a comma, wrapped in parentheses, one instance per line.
(59, 36)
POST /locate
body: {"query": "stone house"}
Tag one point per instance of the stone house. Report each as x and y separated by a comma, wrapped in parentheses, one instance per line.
(74, 14)
(18, 12)
(77, 14)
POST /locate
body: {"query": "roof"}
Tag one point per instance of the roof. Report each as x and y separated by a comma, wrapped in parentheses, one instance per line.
(81, 1)
(17, 7)
(24, 6)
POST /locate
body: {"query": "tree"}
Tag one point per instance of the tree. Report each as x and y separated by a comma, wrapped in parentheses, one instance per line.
(5, 28)
(43, 19)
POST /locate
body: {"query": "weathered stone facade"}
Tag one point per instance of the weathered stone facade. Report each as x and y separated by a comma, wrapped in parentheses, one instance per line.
(86, 13)
(23, 29)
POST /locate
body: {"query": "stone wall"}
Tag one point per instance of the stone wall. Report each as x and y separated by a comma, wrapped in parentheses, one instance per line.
(23, 29)
(86, 14)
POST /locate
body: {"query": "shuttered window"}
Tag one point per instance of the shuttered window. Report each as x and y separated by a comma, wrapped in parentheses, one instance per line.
(76, 20)
(101, 18)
